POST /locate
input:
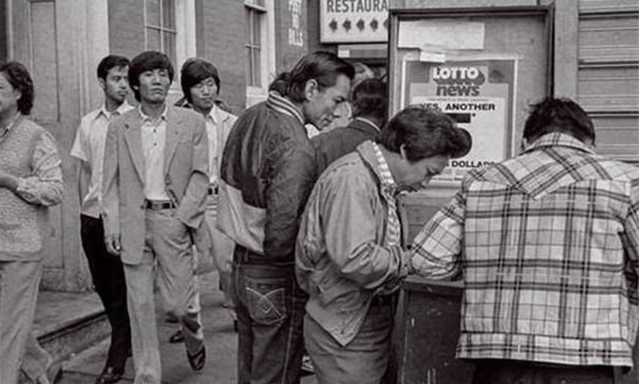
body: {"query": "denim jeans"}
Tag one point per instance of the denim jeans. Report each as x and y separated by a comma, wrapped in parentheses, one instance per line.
(270, 308)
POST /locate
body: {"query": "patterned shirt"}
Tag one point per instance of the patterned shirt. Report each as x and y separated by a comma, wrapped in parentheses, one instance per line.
(547, 244)
(388, 189)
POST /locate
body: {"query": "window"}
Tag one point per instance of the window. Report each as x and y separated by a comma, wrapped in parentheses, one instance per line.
(170, 27)
(160, 27)
(260, 52)
(255, 12)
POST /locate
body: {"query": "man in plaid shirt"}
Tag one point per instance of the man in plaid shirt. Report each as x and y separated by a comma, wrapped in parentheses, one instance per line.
(547, 246)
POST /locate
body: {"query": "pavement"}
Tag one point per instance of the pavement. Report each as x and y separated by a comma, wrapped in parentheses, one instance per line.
(220, 341)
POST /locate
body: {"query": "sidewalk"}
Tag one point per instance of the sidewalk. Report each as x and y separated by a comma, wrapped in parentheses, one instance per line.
(220, 341)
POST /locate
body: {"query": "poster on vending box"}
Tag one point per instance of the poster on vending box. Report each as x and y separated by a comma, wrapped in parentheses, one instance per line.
(478, 94)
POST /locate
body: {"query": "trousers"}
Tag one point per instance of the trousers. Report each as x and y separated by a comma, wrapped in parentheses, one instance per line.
(270, 308)
(107, 274)
(363, 361)
(19, 283)
(168, 255)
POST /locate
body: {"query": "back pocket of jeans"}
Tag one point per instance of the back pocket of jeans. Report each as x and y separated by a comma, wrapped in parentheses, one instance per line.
(266, 299)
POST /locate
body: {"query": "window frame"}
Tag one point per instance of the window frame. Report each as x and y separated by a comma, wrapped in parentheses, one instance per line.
(185, 40)
(268, 51)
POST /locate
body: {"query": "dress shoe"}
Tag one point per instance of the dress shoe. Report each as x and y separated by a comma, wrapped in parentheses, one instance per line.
(197, 360)
(109, 375)
(177, 337)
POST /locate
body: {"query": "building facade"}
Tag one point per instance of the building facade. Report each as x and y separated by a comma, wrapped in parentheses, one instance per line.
(62, 41)
(591, 51)
(591, 55)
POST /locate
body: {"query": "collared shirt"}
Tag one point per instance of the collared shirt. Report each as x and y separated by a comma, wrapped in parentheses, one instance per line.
(154, 135)
(219, 124)
(388, 189)
(213, 122)
(89, 147)
(548, 247)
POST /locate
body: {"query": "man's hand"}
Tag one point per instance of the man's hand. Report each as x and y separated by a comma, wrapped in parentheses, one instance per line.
(8, 181)
(112, 243)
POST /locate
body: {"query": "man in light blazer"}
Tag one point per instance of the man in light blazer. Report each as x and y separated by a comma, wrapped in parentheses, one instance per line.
(155, 188)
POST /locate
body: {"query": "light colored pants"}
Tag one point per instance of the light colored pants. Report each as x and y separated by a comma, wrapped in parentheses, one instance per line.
(167, 242)
(19, 283)
(36, 360)
(364, 360)
(220, 259)
(222, 248)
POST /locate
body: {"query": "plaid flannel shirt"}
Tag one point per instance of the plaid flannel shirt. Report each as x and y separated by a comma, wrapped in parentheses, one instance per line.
(547, 244)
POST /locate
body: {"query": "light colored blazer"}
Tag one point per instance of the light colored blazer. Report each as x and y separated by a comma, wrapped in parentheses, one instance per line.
(226, 121)
(186, 172)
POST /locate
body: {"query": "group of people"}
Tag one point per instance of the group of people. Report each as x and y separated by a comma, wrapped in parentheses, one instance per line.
(305, 233)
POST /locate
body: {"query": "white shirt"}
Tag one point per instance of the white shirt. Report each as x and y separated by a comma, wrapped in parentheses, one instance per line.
(153, 135)
(213, 131)
(89, 147)
(219, 123)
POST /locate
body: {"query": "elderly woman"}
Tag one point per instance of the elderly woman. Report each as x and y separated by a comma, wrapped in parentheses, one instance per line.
(30, 182)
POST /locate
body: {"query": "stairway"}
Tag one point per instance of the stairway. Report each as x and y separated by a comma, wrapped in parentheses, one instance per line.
(68, 323)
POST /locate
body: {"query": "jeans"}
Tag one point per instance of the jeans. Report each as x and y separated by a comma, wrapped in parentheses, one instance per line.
(270, 309)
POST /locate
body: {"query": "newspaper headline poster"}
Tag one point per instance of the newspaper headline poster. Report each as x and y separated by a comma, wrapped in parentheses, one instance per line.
(478, 94)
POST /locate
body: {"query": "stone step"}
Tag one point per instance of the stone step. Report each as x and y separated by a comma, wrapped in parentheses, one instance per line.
(67, 323)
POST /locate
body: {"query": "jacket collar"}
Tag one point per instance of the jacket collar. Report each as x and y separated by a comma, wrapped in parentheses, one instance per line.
(281, 104)
(557, 139)
(365, 125)
(133, 137)
(367, 151)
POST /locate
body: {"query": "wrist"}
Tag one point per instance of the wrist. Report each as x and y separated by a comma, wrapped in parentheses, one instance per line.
(10, 182)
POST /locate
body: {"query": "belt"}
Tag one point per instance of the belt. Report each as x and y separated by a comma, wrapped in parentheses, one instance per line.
(382, 300)
(242, 255)
(213, 190)
(158, 205)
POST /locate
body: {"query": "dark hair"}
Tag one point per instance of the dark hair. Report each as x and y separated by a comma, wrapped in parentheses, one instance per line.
(147, 61)
(111, 61)
(323, 67)
(424, 132)
(369, 99)
(20, 79)
(195, 70)
(279, 84)
(558, 115)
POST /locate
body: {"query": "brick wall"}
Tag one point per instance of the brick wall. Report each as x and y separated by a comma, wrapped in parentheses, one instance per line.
(291, 35)
(126, 27)
(221, 36)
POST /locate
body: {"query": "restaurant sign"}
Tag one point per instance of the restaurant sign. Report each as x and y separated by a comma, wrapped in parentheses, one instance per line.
(354, 21)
